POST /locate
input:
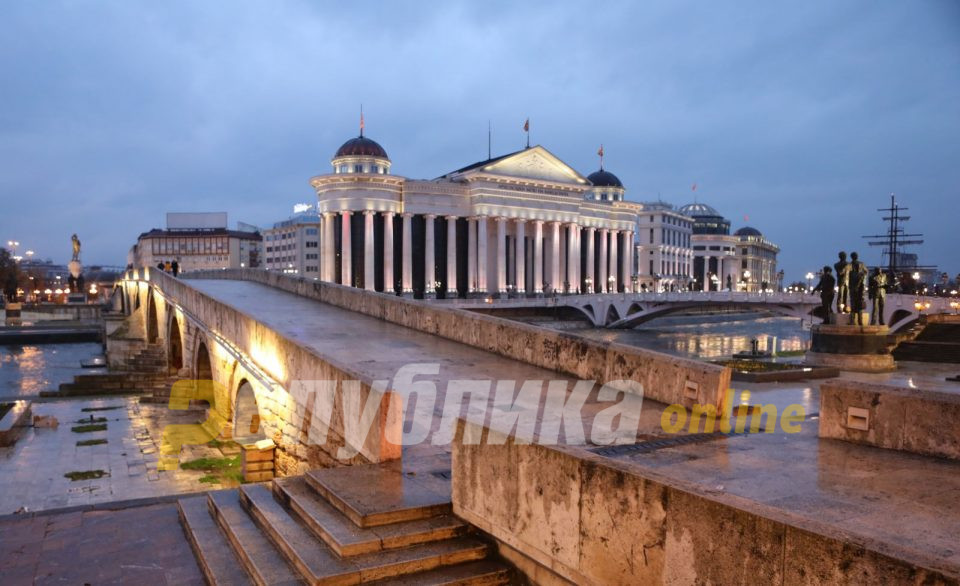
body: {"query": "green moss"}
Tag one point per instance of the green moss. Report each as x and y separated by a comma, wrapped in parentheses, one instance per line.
(85, 475)
(210, 479)
(93, 442)
(212, 463)
(89, 409)
(89, 428)
(92, 420)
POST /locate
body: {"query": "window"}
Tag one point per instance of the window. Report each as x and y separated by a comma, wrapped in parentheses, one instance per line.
(311, 231)
(358, 168)
(311, 244)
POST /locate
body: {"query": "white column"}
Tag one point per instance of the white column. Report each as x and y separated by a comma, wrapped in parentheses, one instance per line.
(501, 255)
(451, 256)
(388, 252)
(538, 256)
(591, 269)
(573, 258)
(628, 261)
(555, 279)
(706, 272)
(520, 254)
(346, 272)
(614, 255)
(604, 237)
(472, 255)
(721, 283)
(329, 248)
(407, 253)
(482, 259)
(429, 257)
(368, 274)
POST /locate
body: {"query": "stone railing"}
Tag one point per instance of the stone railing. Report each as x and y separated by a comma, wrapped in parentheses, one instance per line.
(665, 378)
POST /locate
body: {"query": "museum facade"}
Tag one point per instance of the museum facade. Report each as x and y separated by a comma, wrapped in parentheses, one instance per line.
(524, 223)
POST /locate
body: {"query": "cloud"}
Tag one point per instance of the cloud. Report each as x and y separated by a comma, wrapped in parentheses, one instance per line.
(803, 116)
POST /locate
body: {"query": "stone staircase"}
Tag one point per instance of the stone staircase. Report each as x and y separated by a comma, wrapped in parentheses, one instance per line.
(936, 342)
(339, 526)
(151, 359)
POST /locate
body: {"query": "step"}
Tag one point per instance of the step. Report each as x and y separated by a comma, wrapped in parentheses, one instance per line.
(319, 564)
(380, 494)
(217, 559)
(256, 552)
(490, 572)
(347, 539)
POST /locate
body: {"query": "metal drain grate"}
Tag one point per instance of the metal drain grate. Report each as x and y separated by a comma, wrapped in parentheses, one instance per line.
(658, 444)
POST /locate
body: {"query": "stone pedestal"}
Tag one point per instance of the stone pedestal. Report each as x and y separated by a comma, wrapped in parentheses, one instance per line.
(856, 348)
(257, 461)
(12, 314)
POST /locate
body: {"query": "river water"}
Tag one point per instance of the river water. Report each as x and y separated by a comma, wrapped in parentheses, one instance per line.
(710, 337)
(25, 370)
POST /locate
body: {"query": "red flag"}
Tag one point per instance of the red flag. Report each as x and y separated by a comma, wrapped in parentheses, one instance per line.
(600, 152)
(693, 187)
(526, 125)
(361, 122)
(746, 218)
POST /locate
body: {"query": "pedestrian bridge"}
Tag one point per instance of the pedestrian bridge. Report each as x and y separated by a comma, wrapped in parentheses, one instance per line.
(627, 310)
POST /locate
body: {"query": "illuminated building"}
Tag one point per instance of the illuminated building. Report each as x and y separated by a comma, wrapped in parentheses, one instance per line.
(293, 245)
(198, 241)
(524, 223)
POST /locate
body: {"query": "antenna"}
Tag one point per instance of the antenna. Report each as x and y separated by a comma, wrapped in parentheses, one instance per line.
(361, 120)
(895, 238)
(489, 140)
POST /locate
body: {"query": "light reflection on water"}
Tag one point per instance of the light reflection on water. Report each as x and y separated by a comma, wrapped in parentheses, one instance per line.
(26, 370)
(688, 336)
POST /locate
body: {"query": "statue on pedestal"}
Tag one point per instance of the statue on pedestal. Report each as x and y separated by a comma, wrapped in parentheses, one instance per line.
(857, 283)
(843, 275)
(877, 292)
(75, 281)
(825, 287)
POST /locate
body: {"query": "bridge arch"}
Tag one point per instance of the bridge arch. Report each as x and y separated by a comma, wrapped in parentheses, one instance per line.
(202, 365)
(153, 328)
(653, 310)
(175, 344)
(247, 426)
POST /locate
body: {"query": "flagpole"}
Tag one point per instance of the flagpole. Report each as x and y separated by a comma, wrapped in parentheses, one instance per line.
(489, 140)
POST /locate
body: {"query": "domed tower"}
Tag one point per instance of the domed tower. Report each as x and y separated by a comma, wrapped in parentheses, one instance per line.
(361, 155)
(706, 220)
(606, 185)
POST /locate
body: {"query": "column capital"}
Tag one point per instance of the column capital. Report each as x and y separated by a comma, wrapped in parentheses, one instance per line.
(452, 217)
(389, 213)
(369, 212)
(538, 222)
(345, 212)
(406, 214)
(591, 229)
(431, 216)
(502, 219)
(520, 220)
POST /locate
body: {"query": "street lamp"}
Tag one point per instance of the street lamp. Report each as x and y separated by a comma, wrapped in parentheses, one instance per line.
(809, 280)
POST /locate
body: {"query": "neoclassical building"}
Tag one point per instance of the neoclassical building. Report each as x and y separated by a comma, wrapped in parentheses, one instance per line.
(742, 261)
(524, 223)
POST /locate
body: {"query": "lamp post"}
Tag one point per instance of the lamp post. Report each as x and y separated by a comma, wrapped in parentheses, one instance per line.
(13, 244)
(809, 281)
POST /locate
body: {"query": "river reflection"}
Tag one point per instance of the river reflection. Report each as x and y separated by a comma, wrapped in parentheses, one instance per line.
(27, 370)
(710, 337)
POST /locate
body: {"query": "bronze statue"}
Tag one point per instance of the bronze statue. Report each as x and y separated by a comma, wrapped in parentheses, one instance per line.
(857, 283)
(877, 291)
(843, 275)
(825, 286)
(76, 247)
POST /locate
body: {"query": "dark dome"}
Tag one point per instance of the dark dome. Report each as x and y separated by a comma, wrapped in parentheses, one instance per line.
(747, 231)
(603, 178)
(361, 146)
(694, 210)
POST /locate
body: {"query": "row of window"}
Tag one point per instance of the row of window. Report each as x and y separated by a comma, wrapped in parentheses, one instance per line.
(605, 196)
(200, 245)
(358, 168)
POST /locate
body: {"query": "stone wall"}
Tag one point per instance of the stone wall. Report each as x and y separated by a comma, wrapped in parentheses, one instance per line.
(665, 378)
(896, 418)
(241, 349)
(564, 514)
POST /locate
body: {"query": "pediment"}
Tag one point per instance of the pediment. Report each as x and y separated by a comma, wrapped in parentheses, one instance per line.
(534, 163)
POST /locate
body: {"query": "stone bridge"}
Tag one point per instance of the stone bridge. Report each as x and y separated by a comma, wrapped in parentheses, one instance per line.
(626, 310)
(263, 338)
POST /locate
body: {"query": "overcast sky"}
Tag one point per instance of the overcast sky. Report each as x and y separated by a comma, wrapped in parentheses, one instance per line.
(801, 116)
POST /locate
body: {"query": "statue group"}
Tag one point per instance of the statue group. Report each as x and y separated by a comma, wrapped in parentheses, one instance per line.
(851, 284)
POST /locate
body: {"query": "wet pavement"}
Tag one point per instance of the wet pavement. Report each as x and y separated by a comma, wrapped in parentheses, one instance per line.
(32, 470)
(143, 545)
